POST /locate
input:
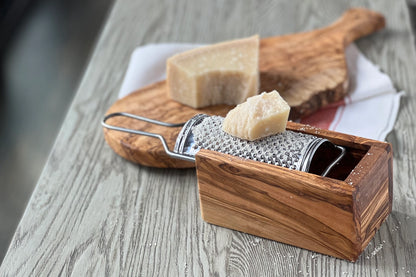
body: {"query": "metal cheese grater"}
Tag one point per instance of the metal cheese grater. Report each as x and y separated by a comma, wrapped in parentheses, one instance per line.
(293, 150)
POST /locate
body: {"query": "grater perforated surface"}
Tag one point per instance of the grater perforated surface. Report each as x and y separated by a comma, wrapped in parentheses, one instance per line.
(286, 149)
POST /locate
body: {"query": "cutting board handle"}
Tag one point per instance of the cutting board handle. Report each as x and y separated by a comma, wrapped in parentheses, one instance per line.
(356, 23)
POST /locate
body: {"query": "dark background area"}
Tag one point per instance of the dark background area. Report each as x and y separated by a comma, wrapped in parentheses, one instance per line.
(44, 48)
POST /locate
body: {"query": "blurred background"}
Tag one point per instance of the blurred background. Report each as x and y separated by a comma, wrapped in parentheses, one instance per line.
(44, 48)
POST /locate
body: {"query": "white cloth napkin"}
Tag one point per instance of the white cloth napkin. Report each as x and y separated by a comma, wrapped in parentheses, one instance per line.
(369, 110)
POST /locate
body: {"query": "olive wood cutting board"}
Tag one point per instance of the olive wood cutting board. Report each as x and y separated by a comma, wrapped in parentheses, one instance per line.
(308, 69)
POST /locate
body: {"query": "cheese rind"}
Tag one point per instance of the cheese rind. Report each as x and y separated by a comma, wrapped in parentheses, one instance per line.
(223, 73)
(260, 116)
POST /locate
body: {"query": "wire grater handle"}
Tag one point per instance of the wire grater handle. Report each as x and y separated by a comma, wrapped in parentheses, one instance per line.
(149, 134)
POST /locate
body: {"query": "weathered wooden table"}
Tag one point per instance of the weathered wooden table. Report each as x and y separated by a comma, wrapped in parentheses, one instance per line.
(93, 213)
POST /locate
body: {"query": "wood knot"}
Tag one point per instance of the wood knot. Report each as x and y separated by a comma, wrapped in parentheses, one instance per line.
(229, 168)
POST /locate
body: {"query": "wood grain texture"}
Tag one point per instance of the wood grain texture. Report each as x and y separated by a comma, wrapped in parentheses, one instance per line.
(278, 204)
(336, 217)
(309, 69)
(92, 213)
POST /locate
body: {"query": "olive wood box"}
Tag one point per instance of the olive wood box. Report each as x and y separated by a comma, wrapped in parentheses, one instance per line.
(336, 215)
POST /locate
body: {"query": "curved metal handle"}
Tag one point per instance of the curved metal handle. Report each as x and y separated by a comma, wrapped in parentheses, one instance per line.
(341, 155)
(143, 133)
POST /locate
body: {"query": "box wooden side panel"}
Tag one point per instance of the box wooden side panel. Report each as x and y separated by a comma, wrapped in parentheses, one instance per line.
(335, 137)
(285, 205)
(372, 179)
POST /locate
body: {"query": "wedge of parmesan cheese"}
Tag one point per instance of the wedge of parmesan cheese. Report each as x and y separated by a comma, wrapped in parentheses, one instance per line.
(260, 116)
(223, 73)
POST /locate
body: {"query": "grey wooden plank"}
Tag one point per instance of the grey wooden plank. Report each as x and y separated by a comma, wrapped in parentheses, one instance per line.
(93, 213)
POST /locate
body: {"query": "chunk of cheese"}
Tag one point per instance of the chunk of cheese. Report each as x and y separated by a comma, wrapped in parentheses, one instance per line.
(260, 116)
(223, 73)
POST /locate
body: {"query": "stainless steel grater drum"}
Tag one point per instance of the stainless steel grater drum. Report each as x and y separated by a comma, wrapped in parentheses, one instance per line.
(293, 150)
